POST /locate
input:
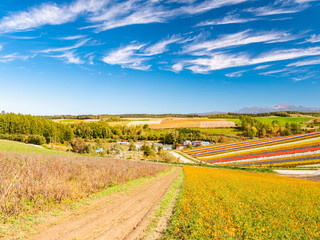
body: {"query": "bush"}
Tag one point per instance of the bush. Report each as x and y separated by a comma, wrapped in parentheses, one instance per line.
(79, 146)
(33, 139)
(36, 139)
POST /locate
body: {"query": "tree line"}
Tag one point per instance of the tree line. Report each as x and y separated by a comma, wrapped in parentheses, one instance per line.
(220, 115)
(252, 128)
(38, 130)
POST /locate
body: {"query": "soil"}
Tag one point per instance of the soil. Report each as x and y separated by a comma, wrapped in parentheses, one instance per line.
(116, 216)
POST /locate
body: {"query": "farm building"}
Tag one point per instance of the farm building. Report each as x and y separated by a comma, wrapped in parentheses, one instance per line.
(99, 150)
(187, 142)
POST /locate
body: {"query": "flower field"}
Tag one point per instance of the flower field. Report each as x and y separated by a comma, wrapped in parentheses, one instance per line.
(229, 204)
(289, 151)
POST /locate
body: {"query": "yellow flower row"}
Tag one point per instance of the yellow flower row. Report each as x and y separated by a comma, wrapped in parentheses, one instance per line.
(272, 159)
(225, 204)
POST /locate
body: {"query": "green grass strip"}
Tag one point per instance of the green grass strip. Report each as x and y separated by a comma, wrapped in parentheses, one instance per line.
(165, 203)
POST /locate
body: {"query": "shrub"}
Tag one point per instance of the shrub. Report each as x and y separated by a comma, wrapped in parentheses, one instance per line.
(79, 146)
(36, 139)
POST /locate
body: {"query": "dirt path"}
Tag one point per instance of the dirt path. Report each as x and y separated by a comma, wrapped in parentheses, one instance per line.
(117, 216)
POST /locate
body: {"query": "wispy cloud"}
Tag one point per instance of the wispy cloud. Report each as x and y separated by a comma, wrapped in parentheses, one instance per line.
(237, 39)
(222, 60)
(135, 56)
(236, 74)
(261, 67)
(127, 57)
(271, 10)
(75, 37)
(133, 12)
(69, 57)
(314, 38)
(12, 57)
(272, 72)
(208, 5)
(107, 14)
(281, 7)
(64, 49)
(230, 19)
(306, 62)
(48, 14)
(161, 46)
(24, 37)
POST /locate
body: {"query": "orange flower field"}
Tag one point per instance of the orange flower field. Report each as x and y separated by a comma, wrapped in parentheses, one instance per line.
(230, 204)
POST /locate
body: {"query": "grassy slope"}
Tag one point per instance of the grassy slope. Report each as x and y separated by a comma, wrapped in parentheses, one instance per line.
(16, 147)
(282, 120)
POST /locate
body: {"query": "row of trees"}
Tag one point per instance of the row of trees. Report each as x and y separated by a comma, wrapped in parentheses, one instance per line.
(21, 126)
(25, 125)
(252, 128)
(221, 115)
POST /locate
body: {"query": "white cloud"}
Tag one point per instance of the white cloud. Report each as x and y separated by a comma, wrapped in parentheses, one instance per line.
(222, 60)
(281, 7)
(307, 62)
(64, 49)
(270, 10)
(143, 12)
(261, 67)
(230, 19)
(314, 38)
(127, 57)
(23, 37)
(301, 78)
(178, 67)
(237, 39)
(161, 46)
(70, 57)
(48, 14)
(272, 72)
(106, 14)
(236, 74)
(75, 37)
(208, 5)
(12, 57)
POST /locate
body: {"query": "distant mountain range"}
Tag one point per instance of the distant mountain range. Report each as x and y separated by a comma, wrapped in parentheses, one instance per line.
(267, 109)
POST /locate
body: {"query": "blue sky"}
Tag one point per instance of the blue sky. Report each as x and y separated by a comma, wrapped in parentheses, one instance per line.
(157, 56)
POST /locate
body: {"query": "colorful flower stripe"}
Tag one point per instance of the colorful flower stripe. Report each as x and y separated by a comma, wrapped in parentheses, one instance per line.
(282, 146)
(205, 149)
(220, 146)
(260, 143)
(269, 143)
(269, 154)
(293, 164)
(291, 158)
(285, 161)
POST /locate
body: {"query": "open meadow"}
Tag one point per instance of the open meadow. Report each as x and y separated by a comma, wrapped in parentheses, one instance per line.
(34, 179)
